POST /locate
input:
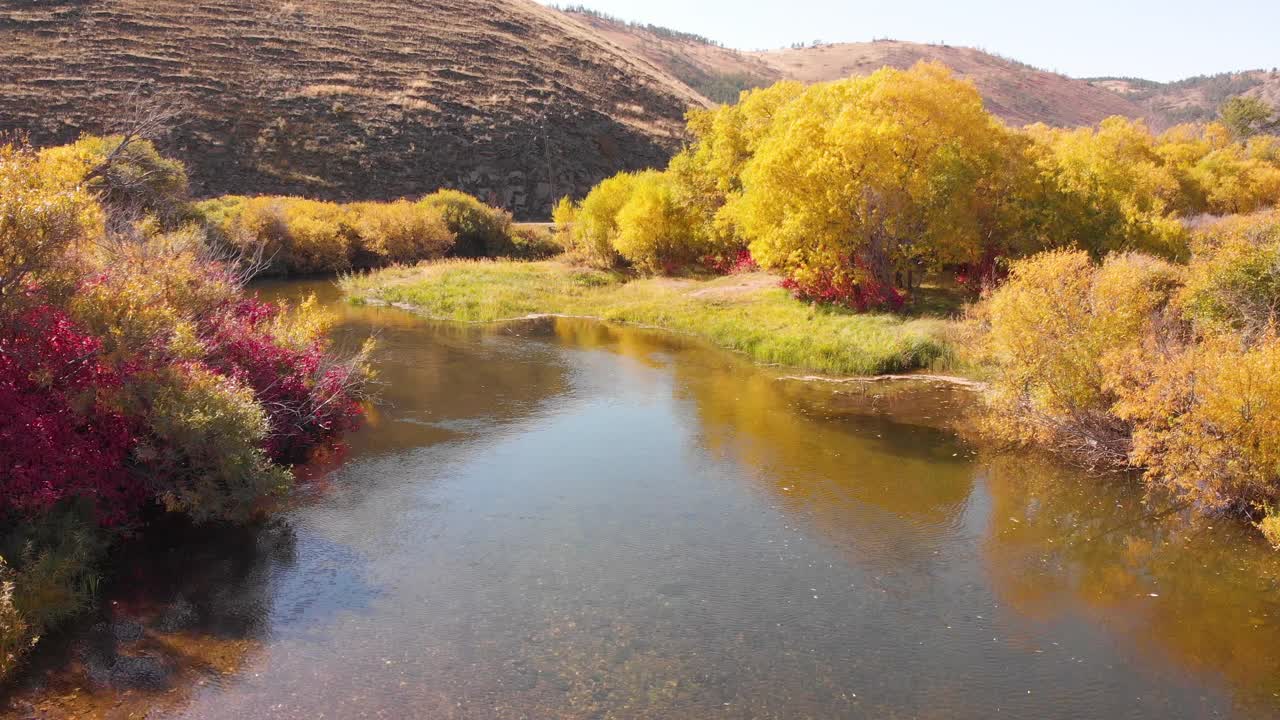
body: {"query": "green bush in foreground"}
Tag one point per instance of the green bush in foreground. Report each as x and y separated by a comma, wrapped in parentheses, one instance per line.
(47, 575)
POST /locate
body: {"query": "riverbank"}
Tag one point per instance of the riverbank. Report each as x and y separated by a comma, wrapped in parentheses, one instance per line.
(747, 313)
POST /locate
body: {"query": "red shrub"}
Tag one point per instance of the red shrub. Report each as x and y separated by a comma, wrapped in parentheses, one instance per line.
(739, 262)
(987, 273)
(861, 294)
(58, 437)
(306, 397)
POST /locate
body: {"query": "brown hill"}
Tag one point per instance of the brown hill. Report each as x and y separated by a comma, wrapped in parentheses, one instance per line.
(1016, 92)
(349, 99)
(1196, 98)
(712, 70)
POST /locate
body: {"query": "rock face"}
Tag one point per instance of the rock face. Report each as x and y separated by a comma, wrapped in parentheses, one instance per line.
(348, 99)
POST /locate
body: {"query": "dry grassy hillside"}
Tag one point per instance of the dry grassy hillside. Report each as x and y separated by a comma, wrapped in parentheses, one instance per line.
(349, 98)
(1196, 98)
(1016, 92)
(718, 73)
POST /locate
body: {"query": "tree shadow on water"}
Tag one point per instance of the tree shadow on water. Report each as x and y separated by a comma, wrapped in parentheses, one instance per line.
(188, 606)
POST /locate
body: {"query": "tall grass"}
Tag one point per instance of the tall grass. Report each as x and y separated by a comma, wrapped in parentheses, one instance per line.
(745, 313)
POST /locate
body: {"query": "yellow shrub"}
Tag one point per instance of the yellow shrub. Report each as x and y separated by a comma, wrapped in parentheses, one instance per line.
(1270, 527)
(564, 215)
(596, 224)
(257, 227)
(481, 230)
(137, 180)
(655, 233)
(1234, 277)
(318, 240)
(45, 213)
(400, 232)
(1207, 421)
(880, 171)
(1051, 332)
(309, 236)
(15, 636)
(291, 234)
(1118, 192)
(152, 295)
(1235, 181)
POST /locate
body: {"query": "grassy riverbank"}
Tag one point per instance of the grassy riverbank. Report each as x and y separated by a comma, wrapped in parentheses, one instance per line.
(746, 313)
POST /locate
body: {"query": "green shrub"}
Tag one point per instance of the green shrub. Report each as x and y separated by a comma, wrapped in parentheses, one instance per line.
(534, 243)
(46, 576)
(481, 230)
(207, 453)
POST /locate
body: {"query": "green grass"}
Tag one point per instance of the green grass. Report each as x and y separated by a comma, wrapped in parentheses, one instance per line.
(745, 313)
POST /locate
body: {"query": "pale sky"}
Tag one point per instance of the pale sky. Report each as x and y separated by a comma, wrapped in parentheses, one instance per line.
(1159, 40)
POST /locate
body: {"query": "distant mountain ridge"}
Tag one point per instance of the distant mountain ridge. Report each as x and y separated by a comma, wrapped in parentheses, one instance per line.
(1015, 91)
(1194, 99)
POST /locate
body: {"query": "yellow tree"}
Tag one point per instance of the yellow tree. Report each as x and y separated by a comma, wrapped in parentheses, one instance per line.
(859, 176)
(1115, 191)
(709, 172)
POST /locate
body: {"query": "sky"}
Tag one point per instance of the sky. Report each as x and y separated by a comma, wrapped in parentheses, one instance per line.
(1166, 40)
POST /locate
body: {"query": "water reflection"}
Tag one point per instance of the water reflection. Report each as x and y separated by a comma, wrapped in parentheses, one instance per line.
(567, 519)
(1195, 596)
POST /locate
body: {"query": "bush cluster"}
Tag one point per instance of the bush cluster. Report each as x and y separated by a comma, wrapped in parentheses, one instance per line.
(299, 235)
(853, 188)
(136, 375)
(1138, 362)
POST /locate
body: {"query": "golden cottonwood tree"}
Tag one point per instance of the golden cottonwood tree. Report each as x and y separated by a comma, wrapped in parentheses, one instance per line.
(862, 175)
(1115, 192)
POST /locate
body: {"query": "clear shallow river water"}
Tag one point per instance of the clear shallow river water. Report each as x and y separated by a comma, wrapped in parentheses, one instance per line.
(564, 519)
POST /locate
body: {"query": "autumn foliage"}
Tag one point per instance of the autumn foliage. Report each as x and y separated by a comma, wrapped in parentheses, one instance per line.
(850, 189)
(292, 235)
(137, 376)
(1137, 362)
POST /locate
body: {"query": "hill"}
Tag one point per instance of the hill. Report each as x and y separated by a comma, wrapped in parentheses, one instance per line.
(1015, 91)
(505, 99)
(1196, 98)
(712, 70)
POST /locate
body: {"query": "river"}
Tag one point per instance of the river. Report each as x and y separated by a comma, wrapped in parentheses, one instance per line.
(566, 519)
